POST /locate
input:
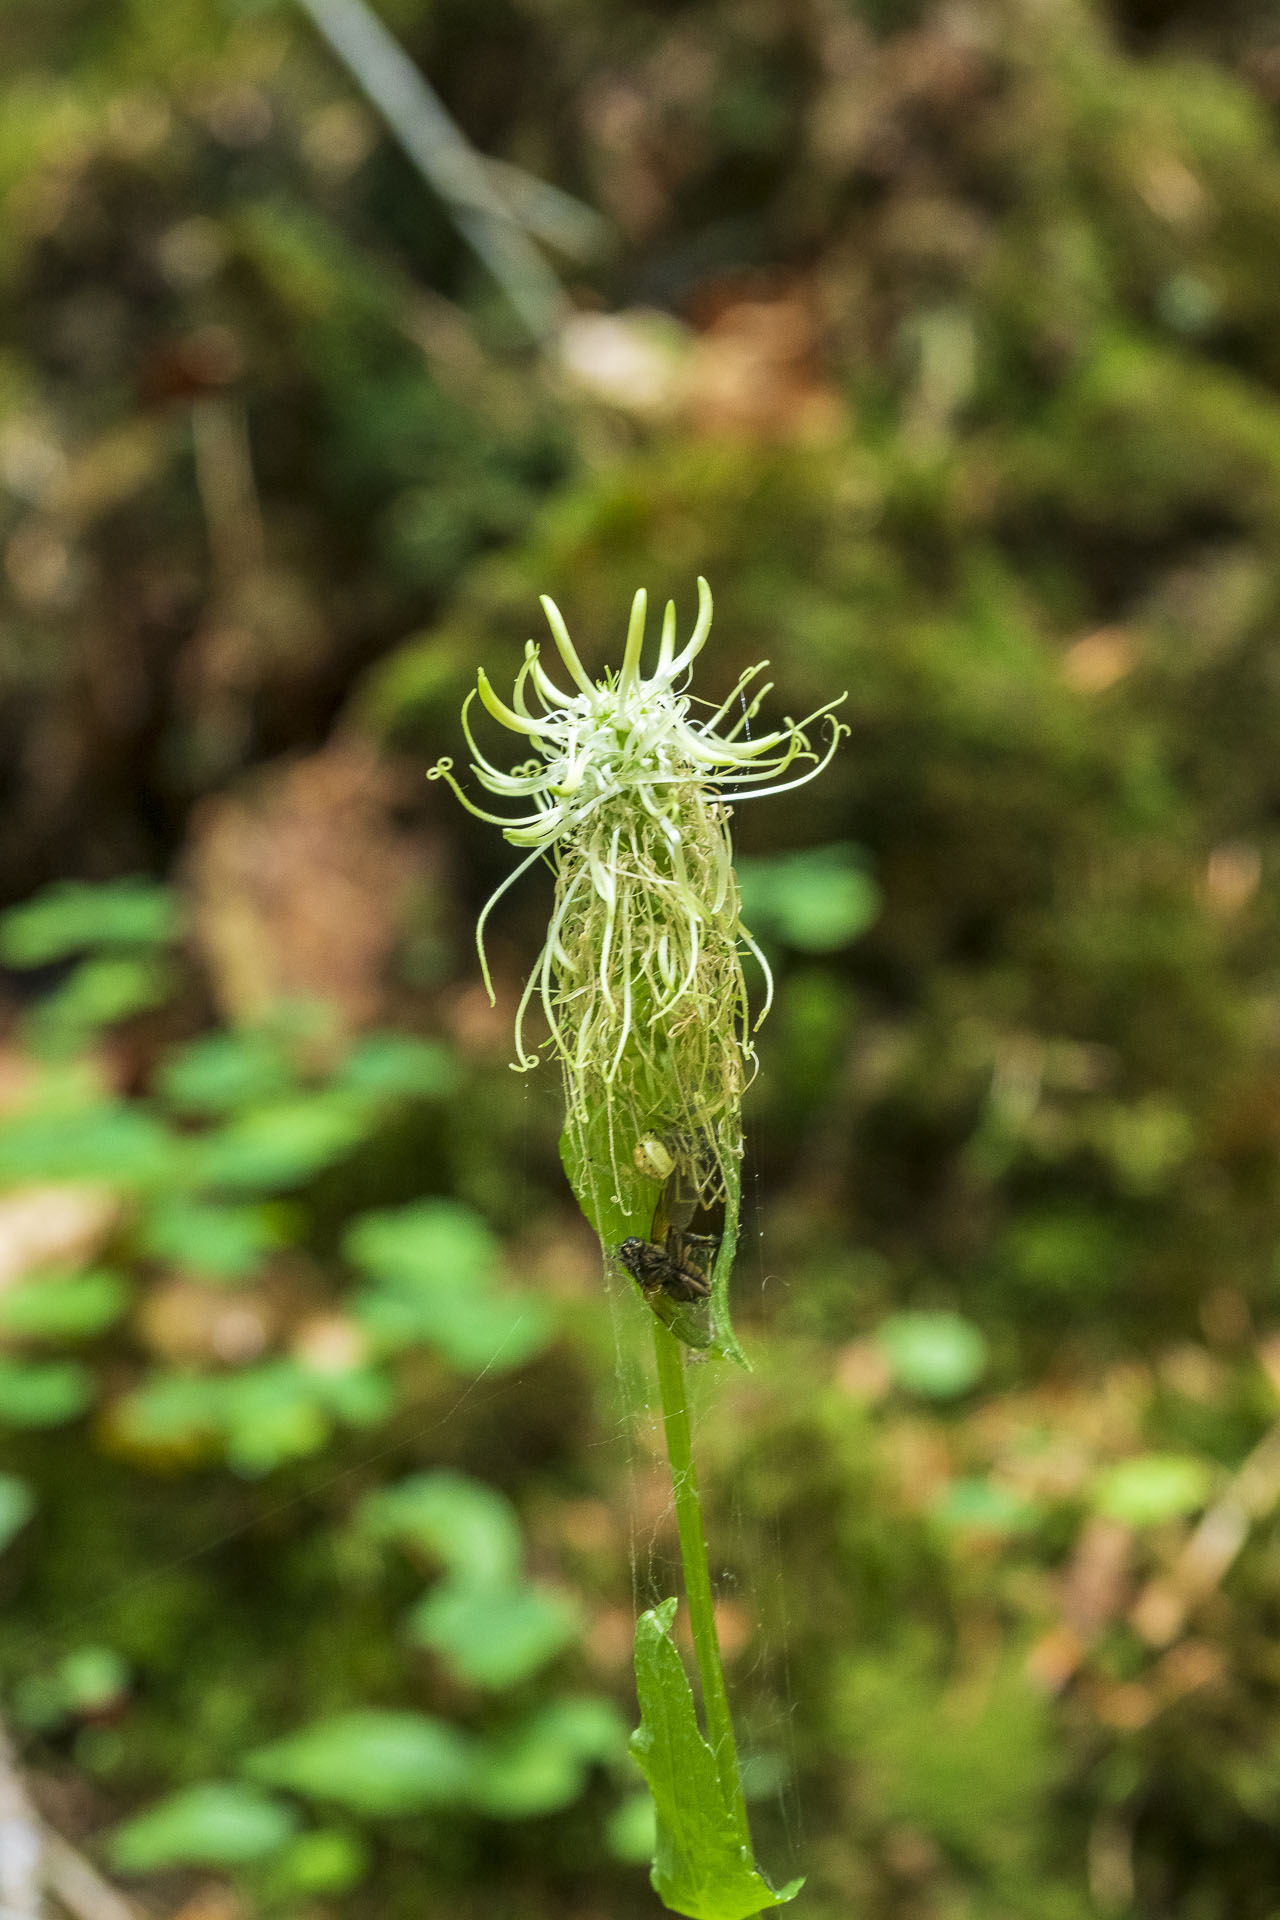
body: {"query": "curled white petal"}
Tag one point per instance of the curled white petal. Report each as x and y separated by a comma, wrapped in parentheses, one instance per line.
(501, 712)
(698, 638)
(629, 678)
(568, 652)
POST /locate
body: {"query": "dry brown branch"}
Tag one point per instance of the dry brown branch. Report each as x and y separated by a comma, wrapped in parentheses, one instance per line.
(1163, 1607)
(78, 1885)
(20, 1843)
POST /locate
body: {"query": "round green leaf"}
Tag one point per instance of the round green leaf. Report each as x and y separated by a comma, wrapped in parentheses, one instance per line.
(984, 1506)
(214, 1242)
(816, 901)
(376, 1763)
(469, 1330)
(542, 1765)
(435, 1244)
(92, 1678)
(224, 1072)
(322, 1862)
(1153, 1488)
(44, 1394)
(74, 916)
(172, 1409)
(493, 1636)
(284, 1144)
(110, 1141)
(467, 1525)
(938, 1355)
(101, 991)
(395, 1065)
(273, 1413)
(60, 1306)
(632, 1829)
(17, 1504)
(207, 1826)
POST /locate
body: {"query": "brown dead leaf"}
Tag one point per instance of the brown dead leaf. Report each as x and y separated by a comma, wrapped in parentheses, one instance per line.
(53, 1226)
(1172, 190)
(1186, 1668)
(609, 1640)
(330, 1343)
(1159, 1613)
(909, 1854)
(917, 1455)
(1269, 1357)
(862, 1371)
(756, 373)
(211, 1903)
(1231, 877)
(1099, 660)
(1096, 1579)
(1055, 1658)
(1127, 1707)
(182, 1320)
(299, 885)
(733, 1627)
(589, 1527)
(479, 1027)
(1198, 1376)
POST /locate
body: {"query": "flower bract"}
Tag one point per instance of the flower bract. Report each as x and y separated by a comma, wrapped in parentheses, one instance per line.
(627, 792)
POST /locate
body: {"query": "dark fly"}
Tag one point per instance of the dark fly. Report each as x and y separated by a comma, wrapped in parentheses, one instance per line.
(669, 1269)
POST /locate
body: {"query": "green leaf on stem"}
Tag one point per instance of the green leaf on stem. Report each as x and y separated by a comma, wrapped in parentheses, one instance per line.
(493, 1636)
(225, 1073)
(375, 1762)
(542, 1764)
(212, 1241)
(703, 1865)
(62, 1306)
(284, 1144)
(938, 1355)
(211, 1825)
(74, 916)
(17, 1504)
(434, 1281)
(1153, 1488)
(466, 1524)
(816, 901)
(43, 1394)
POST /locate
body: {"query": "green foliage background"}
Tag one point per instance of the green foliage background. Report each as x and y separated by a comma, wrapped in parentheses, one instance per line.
(323, 1530)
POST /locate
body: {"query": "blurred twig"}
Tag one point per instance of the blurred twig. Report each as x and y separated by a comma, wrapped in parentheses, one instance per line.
(33, 1857)
(224, 475)
(20, 1843)
(492, 221)
(547, 212)
(78, 1884)
(1162, 1609)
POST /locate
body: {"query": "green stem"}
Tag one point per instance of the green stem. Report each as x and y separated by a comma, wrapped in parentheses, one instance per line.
(697, 1572)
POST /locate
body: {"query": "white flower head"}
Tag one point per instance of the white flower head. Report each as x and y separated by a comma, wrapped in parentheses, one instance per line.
(628, 796)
